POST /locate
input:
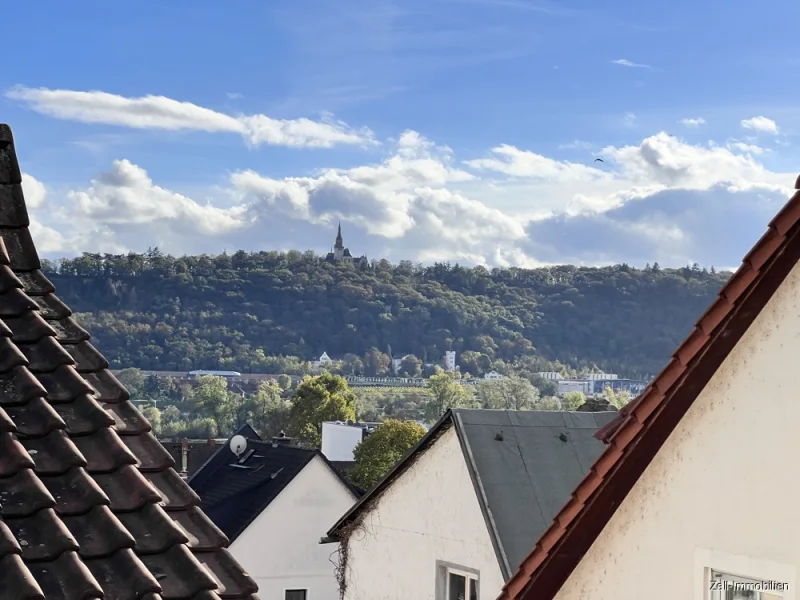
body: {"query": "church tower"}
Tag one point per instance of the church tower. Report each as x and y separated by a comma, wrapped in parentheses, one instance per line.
(338, 248)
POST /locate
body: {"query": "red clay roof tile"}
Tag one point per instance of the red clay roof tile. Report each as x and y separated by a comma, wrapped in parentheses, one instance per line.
(643, 425)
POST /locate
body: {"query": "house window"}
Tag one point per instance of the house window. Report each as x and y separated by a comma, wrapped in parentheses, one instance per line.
(296, 594)
(724, 586)
(457, 583)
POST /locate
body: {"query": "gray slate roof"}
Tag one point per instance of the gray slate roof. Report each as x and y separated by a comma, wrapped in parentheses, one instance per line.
(529, 475)
(524, 466)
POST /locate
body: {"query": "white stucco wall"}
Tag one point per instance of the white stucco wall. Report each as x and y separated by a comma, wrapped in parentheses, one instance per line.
(429, 513)
(281, 548)
(723, 489)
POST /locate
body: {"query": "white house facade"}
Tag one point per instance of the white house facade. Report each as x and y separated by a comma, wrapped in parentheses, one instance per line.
(280, 549)
(695, 496)
(415, 527)
(443, 522)
(720, 494)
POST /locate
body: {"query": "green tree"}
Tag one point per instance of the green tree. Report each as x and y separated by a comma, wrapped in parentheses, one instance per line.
(443, 393)
(285, 381)
(317, 399)
(617, 399)
(410, 366)
(382, 449)
(548, 403)
(211, 398)
(572, 400)
(376, 363)
(153, 416)
(133, 380)
(267, 411)
(509, 393)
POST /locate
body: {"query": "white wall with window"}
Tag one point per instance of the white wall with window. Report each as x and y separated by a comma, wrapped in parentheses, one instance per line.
(280, 549)
(724, 480)
(425, 538)
(455, 582)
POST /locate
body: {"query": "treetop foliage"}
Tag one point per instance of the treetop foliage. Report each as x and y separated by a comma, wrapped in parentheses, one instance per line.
(269, 312)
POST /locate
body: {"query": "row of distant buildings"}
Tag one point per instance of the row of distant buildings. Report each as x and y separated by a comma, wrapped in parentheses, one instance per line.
(448, 363)
(594, 384)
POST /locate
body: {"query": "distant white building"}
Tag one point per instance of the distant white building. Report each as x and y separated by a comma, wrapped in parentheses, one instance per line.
(396, 362)
(322, 361)
(550, 375)
(567, 386)
(600, 376)
(492, 376)
(450, 360)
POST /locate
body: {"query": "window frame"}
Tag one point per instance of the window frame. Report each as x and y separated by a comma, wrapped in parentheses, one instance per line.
(443, 571)
(294, 589)
(738, 566)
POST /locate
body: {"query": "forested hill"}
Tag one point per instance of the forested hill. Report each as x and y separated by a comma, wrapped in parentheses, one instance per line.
(153, 311)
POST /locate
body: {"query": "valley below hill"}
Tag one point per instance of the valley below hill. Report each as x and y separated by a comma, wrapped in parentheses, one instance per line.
(268, 312)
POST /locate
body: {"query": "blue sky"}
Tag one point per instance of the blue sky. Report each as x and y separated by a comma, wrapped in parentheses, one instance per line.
(461, 130)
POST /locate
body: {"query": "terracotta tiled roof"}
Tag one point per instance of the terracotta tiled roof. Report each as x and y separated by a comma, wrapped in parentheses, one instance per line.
(641, 428)
(90, 505)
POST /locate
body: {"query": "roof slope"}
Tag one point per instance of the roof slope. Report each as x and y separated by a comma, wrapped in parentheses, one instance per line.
(218, 458)
(643, 426)
(517, 460)
(541, 458)
(90, 505)
(233, 496)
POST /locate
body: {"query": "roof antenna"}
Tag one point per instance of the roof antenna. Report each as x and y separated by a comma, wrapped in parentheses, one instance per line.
(238, 445)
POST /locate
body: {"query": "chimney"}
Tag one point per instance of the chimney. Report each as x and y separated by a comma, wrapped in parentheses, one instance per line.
(184, 456)
(281, 440)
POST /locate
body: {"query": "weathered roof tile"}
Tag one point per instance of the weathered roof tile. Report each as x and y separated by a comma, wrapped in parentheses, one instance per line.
(90, 505)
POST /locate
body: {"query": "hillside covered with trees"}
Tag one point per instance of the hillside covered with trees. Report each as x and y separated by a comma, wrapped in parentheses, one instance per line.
(269, 311)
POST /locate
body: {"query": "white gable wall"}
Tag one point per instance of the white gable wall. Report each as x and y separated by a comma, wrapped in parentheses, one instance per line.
(429, 513)
(724, 483)
(281, 550)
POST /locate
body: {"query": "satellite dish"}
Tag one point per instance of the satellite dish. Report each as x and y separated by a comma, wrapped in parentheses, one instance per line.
(238, 444)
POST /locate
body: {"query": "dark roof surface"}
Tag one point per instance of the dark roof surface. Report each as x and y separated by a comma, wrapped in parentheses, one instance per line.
(641, 428)
(233, 496)
(521, 479)
(202, 454)
(90, 505)
(530, 472)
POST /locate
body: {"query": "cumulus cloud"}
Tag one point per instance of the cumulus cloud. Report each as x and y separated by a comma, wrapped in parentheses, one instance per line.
(47, 238)
(747, 148)
(159, 112)
(514, 162)
(693, 122)
(662, 199)
(762, 124)
(624, 62)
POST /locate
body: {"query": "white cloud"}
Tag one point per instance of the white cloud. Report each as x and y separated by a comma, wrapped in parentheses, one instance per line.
(514, 162)
(761, 124)
(47, 239)
(34, 191)
(651, 201)
(747, 148)
(126, 195)
(693, 122)
(624, 62)
(629, 119)
(159, 112)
